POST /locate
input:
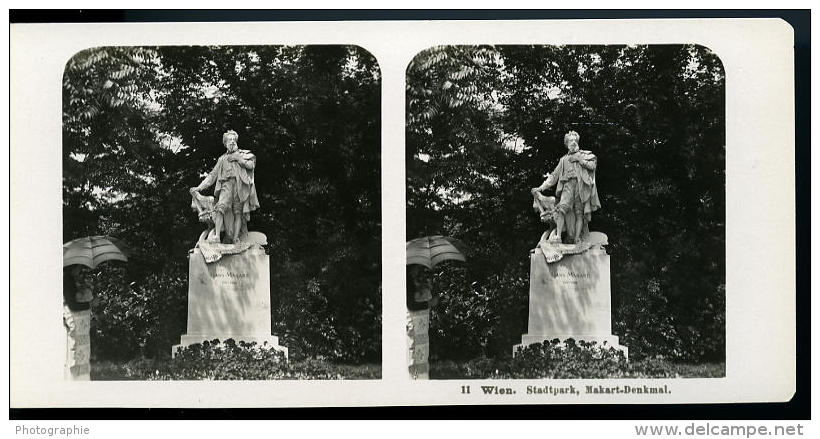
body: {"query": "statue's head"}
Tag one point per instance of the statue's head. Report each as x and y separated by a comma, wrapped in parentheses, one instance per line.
(229, 139)
(571, 141)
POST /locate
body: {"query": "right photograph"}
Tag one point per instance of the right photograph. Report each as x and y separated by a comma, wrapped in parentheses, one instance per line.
(566, 212)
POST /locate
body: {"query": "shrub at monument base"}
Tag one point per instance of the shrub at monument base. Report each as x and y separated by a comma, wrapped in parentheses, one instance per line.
(224, 361)
(571, 359)
(230, 360)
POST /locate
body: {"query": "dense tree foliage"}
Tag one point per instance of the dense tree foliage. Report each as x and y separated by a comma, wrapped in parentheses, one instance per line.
(485, 124)
(142, 125)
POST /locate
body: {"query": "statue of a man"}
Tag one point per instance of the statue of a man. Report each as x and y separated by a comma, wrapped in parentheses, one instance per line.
(235, 191)
(576, 190)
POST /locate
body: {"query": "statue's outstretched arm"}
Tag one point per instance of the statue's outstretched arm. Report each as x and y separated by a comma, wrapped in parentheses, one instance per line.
(208, 181)
(551, 180)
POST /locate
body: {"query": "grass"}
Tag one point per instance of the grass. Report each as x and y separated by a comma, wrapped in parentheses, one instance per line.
(503, 368)
(158, 369)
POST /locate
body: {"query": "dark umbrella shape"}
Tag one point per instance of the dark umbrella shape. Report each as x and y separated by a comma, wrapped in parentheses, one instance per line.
(431, 250)
(92, 251)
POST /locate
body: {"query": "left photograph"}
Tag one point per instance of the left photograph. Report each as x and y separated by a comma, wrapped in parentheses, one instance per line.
(222, 213)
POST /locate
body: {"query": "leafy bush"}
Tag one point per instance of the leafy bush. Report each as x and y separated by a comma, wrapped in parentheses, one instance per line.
(571, 359)
(651, 325)
(705, 337)
(481, 317)
(646, 324)
(314, 325)
(143, 317)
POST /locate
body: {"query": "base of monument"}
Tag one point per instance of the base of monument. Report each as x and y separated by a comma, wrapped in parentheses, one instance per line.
(605, 341)
(270, 340)
(420, 371)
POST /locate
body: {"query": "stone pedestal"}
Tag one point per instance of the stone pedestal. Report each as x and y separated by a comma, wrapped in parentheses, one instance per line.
(229, 298)
(78, 344)
(570, 298)
(418, 344)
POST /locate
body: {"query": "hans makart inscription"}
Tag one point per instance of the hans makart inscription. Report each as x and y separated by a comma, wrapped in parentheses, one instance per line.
(225, 276)
(565, 276)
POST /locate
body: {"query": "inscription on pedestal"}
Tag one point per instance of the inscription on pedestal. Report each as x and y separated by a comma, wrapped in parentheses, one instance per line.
(224, 276)
(565, 275)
